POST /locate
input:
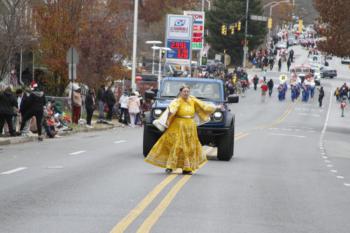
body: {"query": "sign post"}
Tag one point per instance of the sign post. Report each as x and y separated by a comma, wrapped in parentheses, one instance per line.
(72, 60)
(198, 19)
(178, 39)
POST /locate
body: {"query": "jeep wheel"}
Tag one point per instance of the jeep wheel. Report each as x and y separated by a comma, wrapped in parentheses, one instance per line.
(149, 139)
(226, 144)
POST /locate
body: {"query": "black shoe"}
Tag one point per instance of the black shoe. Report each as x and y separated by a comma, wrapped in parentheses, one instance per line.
(187, 172)
(168, 170)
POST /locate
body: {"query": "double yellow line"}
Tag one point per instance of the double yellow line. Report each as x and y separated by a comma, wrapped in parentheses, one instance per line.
(279, 120)
(162, 206)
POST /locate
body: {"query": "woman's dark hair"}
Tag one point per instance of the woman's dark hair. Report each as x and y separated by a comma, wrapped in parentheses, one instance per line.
(183, 87)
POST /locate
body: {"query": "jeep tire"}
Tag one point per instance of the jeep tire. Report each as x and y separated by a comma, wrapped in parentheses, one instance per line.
(149, 139)
(226, 144)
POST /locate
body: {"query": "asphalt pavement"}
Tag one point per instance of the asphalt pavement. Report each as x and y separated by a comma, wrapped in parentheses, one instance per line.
(290, 173)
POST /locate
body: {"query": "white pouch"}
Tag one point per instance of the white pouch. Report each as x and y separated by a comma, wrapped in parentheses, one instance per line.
(160, 123)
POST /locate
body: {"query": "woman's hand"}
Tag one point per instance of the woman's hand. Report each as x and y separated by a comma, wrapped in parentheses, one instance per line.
(220, 107)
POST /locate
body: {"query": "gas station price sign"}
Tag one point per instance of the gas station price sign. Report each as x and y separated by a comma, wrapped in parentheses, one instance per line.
(180, 49)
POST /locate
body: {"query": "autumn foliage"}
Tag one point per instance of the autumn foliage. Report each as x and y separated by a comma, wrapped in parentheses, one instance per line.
(95, 28)
(334, 26)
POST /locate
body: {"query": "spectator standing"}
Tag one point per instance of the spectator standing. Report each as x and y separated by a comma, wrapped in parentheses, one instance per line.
(23, 107)
(343, 106)
(279, 64)
(101, 102)
(77, 103)
(270, 85)
(110, 102)
(8, 107)
(133, 108)
(337, 94)
(264, 89)
(288, 64)
(291, 55)
(17, 117)
(320, 96)
(123, 102)
(90, 105)
(34, 106)
(255, 82)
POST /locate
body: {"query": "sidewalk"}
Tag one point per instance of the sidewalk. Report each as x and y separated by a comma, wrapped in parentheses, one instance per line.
(76, 129)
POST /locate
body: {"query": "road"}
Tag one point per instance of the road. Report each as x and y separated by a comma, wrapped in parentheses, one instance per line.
(290, 173)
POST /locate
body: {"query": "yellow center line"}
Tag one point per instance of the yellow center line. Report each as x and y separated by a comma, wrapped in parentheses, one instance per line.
(134, 213)
(238, 134)
(163, 205)
(280, 119)
(241, 136)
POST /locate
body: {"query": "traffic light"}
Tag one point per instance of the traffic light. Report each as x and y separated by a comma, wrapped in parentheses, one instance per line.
(300, 26)
(239, 26)
(269, 23)
(223, 30)
(232, 29)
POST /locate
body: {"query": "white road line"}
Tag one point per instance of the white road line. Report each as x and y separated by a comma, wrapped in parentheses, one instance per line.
(55, 167)
(340, 177)
(14, 170)
(334, 171)
(120, 141)
(309, 115)
(287, 135)
(347, 184)
(298, 127)
(327, 161)
(77, 152)
(330, 165)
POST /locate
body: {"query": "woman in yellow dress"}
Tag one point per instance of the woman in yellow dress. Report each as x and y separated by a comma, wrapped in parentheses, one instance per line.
(179, 146)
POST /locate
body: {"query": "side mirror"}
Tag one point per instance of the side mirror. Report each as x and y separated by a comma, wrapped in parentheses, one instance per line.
(233, 99)
(150, 95)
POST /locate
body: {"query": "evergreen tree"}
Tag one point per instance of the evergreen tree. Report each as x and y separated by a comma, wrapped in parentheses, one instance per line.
(228, 12)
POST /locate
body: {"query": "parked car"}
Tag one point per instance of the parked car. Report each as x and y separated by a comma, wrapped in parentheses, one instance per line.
(328, 72)
(345, 60)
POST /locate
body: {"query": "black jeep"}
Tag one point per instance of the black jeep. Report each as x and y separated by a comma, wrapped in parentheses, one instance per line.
(218, 132)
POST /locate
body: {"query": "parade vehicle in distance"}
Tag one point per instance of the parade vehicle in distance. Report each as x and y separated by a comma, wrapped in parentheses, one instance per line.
(301, 71)
(218, 132)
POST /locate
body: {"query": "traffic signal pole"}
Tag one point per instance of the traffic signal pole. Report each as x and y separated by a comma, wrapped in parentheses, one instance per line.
(245, 48)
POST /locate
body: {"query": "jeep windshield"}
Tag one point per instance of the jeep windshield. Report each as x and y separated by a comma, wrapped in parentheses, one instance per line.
(201, 90)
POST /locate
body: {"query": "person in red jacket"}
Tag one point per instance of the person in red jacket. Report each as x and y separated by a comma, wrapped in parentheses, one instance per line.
(264, 89)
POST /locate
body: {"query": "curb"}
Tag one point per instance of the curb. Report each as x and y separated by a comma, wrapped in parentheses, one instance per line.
(19, 140)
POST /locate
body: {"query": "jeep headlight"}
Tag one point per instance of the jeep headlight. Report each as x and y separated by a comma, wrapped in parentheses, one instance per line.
(157, 113)
(217, 116)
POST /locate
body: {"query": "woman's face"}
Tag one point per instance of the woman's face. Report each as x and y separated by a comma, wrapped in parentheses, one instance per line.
(185, 93)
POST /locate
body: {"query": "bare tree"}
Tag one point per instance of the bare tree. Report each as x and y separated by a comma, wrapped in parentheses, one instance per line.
(14, 32)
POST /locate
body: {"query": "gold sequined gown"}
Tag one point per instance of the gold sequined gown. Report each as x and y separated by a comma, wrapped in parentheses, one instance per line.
(179, 146)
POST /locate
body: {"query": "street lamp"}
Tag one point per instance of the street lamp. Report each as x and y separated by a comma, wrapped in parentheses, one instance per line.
(274, 4)
(154, 43)
(134, 48)
(161, 49)
(209, 4)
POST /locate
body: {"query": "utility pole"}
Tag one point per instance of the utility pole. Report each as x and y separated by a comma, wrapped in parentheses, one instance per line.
(245, 48)
(134, 49)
